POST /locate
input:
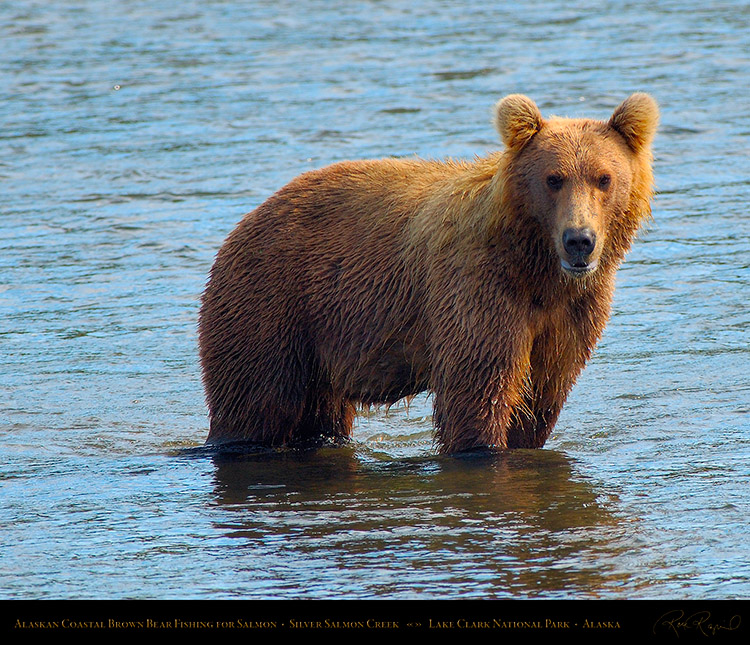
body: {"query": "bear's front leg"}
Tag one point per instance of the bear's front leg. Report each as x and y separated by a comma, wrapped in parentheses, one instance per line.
(479, 391)
(532, 428)
(557, 357)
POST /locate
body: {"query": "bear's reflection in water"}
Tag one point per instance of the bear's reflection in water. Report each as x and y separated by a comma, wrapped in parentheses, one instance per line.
(524, 519)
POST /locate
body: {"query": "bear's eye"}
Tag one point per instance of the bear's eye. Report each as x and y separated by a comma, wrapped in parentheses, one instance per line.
(555, 182)
(604, 182)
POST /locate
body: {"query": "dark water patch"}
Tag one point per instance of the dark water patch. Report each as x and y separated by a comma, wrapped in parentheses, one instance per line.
(459, 75)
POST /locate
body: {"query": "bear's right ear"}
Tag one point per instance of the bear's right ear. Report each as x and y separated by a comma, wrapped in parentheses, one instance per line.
(517, 119)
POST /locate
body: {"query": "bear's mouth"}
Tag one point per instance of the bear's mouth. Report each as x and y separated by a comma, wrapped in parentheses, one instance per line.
(579, 269)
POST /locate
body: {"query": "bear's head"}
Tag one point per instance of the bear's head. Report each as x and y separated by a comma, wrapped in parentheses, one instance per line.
(587, 182)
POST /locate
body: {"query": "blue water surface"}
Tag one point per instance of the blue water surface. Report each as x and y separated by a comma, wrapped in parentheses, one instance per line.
(134, 137)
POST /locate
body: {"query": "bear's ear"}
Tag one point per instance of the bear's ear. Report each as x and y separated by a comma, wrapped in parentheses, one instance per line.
(636, 119)
(517, 119)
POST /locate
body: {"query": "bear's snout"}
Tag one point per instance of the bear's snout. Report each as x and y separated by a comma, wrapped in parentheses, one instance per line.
(579, 244)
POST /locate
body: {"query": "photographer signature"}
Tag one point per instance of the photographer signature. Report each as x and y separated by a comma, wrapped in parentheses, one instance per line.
(677, 621)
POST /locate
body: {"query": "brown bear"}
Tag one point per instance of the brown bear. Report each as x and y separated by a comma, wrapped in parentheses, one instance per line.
(487, 283)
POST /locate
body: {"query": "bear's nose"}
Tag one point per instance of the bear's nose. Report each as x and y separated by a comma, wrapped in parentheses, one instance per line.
(579, 242)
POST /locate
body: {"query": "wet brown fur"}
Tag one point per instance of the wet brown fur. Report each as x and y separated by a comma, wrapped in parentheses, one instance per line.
(367, 282)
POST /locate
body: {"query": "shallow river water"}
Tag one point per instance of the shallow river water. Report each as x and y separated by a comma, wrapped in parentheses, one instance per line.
(136, 134)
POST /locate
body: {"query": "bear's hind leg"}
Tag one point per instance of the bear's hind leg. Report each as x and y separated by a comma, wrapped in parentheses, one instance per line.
(258, 398)
(326, 416)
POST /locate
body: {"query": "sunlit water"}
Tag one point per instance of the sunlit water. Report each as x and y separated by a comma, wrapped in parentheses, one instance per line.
(136, 134)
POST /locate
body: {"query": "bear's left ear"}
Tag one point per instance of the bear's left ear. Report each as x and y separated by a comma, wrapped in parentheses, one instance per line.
(636, 119)
(517, 119)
